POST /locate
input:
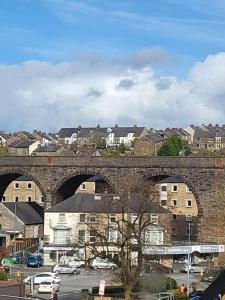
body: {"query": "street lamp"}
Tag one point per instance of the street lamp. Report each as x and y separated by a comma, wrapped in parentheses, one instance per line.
(189, 255)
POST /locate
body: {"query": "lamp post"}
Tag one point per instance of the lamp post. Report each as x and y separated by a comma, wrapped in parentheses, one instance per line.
(14, 230)
(189, 255)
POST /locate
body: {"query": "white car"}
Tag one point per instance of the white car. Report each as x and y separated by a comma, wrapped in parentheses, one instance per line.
(75, 263)
(103, 264)
(45, 276)
(65, 269)
(47, 286)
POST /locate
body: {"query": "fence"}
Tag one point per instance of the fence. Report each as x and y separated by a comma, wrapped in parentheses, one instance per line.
(162, 296)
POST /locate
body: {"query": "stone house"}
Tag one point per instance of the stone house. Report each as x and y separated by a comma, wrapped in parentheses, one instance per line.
(180, 201)
(71, 224)
(24, 218)
(43, 138)
(22, 148)
(148, 145)
(22, 190)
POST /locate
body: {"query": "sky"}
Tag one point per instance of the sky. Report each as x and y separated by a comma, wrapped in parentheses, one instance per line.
(65, 63)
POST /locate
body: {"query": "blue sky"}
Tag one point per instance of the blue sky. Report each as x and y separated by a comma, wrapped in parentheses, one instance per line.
(176, 41)
(54, 30)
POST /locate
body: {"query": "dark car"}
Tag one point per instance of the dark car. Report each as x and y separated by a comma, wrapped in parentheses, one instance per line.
(34, 261)
(5, 268)
(154, 267)
(20, 257)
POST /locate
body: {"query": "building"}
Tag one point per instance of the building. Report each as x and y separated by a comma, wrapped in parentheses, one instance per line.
(22, 148)
(48, 150)
(67, 136)
(148, 145)
(22, 190)
(23, 221)
(70, 226)
(207, 137)
(180, 201)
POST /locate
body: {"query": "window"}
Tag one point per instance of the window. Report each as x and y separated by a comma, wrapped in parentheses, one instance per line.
(174, 231)
(61, 236)
(112, 236)
(93, 218)
(83, 187)
(188, 190)
(62, 218)
(82, 235)
(154, 220)
(188, 217)
(174, 188)
(41, 199)
(163, 188)
(163, 202)
(134, 218)
(188, 203)
(174, 217)
(174, 202)
(189, 231)
(3, 198)
(29, 185)
(29, 198)
(153, 237)
(92, 236)
(16, 198)
(113, 218)
(82, 218)
(16, 185)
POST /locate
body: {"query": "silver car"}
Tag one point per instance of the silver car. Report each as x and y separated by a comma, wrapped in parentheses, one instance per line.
(65, 269)
(193, 268)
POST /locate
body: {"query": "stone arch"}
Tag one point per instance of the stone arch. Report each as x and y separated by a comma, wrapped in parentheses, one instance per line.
(9, 175)
(76, 178)
(183, 176)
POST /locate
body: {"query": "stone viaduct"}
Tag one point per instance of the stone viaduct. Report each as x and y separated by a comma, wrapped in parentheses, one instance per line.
(57, 177)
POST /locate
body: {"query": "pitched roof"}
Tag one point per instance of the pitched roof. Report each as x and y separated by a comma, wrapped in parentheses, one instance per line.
(23, 144)
(105, 203)
(27, 212)
(48, 148)
(153, 137)
(171, 179)
(124, 131)
(67, 132)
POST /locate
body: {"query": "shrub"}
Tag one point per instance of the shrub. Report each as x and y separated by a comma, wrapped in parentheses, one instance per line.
(3, 275)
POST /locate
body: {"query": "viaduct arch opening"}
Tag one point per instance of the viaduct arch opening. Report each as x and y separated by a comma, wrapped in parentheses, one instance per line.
(72, 183)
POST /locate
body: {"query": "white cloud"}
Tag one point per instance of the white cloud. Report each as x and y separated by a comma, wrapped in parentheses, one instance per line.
(45, 96)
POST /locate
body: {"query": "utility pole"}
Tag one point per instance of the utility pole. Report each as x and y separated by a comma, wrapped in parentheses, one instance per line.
(14, 230)
(189, 255)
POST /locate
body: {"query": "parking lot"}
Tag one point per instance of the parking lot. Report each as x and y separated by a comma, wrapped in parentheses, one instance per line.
(71, 285)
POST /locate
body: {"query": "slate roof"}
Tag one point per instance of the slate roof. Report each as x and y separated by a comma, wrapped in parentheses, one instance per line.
(124, 131)
(23, 144)
(27, 212)
(171, 179)
(67, 132)
(86, 203)
(48, 148)
(153, 137)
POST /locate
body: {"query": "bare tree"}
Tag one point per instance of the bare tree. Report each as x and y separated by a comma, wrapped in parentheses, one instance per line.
(122, 225)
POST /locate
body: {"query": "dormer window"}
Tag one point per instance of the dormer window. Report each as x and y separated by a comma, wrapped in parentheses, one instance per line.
(109, 130)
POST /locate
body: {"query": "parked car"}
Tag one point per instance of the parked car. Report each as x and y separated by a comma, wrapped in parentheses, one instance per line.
(34, 261)
(5, 268)
(197, 295)
(45, 276)
(20, 257)
(47, 286)
(154, 267)
(193, 268)
(99, 263)
(65, 269)
(76, 263)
